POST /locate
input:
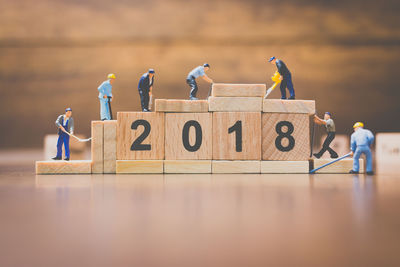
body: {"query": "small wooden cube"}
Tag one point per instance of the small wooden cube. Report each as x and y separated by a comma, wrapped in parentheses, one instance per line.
(64, 167)
(97, 147)
(188, 136)
(187, 166)
(140, 135)
(110, 146)
(342, 166)
(180, 105)
(235, 166)
(238, 90)
(289, 106)
(139, 166)
(276, 166)
(237, 135)
(244, 104)
(285, 136)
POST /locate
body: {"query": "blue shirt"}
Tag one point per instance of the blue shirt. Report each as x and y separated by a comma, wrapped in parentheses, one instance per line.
(105, 89)
(361, 137)
(197, 72)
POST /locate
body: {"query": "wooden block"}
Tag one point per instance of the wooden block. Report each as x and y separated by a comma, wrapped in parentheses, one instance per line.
(187, 166)
(180, 105)
(139, 166)
(284, 166)
(110, 146)
(140, 135)
(235, 166)
(342, 166)
(289, 106)
(97, 146)
(285, 136)
(188, 136)
(248, 104)
(64, 167)
(226, 89)
(237, 135)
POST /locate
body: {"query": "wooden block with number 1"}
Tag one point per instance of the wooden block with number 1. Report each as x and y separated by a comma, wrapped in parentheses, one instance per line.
(236, 135)
(140, 135)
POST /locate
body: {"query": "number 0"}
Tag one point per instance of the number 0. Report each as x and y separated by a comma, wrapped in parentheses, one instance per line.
(185, 136)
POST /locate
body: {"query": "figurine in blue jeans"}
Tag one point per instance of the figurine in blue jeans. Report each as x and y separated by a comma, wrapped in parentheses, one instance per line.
(65, 125)
(360, 143)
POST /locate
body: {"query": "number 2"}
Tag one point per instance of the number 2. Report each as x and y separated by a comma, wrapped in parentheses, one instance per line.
(137, 144)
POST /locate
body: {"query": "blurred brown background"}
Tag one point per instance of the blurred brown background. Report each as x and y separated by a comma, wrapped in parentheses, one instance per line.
(55, 53)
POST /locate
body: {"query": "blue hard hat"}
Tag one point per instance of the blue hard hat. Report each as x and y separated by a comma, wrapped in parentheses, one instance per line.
(68, 109)
(151, 71)
(271, 58)
(206, 65)
(328, 113)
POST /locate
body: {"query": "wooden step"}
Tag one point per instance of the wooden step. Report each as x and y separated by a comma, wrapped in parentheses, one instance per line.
(238, 90)
(64, 167)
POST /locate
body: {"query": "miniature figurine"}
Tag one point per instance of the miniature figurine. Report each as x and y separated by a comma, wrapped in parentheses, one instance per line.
(105, 97)
(330, 129)
(360, 143)
(286, 77)
(199, 71)
(65, 124)
(145, 88)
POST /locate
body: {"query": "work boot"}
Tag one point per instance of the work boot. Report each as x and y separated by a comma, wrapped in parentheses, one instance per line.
(193, 98)
(145, 110)
(353, 172)
(316, 155)
(370, 173)
(291, 98)
(56, 158)
(335, 156)
(67, 159)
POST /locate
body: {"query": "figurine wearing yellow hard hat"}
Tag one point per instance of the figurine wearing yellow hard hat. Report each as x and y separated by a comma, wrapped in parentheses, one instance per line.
(105, 97)
(361, 140)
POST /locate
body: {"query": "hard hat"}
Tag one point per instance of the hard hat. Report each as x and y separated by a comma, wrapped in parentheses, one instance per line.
(358, 124)
(276, 77)
(111, 76)
(205, 65)
(151, 71)
(68, 109)
(271, 58)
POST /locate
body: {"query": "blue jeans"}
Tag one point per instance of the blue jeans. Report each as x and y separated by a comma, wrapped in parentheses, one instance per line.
(104, 109)
(193, 86)
(63, 138)
(287, 82)
(368, 155)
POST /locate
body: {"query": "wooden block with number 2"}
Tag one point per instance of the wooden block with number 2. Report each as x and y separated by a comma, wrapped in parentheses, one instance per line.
(140, 136)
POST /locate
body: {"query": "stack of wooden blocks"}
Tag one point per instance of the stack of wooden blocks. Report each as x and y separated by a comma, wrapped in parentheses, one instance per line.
(234, 131)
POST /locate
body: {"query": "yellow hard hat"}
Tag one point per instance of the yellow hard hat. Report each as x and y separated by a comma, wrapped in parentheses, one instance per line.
(111, 76)
(358, 124)
(276, 77)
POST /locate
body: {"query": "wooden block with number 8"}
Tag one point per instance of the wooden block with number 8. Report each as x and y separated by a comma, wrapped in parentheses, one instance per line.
(285, 136)
(188, 136)
(236, 135)
(140, 135)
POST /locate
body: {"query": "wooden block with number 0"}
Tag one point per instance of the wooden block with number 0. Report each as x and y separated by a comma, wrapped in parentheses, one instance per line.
(140, 135)
(285, 136)
(236, 135)
(188, 136)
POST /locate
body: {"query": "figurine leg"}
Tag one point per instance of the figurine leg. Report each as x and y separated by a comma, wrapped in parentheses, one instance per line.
(59, 146)
(283, 89)
(356, 157)
(290, 87)
(368, 156)
(66, 145)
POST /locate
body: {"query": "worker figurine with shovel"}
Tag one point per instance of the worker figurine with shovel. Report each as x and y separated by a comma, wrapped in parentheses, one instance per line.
(105, 97)
(65, 124)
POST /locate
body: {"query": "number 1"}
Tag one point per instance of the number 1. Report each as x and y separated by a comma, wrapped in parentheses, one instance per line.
(237, 128)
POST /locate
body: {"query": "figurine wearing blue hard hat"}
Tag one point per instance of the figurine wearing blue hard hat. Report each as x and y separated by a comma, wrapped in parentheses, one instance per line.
(145, 88)
(65, 125)
(286, 77)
